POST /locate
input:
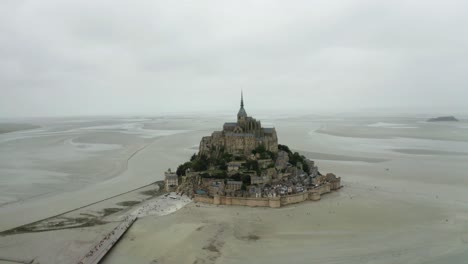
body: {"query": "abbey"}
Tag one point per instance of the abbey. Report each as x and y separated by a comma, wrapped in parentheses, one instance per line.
(243, 164)
(239, 138)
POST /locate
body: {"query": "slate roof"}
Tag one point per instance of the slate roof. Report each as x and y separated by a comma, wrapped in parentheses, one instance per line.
(234, 182)
(229, 124)
(171, 177)
(240, 134)
(242, 112)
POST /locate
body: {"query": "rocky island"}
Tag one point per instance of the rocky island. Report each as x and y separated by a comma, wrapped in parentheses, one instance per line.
(443, 119)
(244, 165)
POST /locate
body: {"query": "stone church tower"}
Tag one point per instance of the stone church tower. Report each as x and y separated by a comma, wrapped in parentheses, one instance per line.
(241, 115)
(239, 138)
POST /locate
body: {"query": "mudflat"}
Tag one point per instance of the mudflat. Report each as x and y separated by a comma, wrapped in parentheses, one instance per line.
(403, 206)
(393, 208)
(359, 224)
(12, 127)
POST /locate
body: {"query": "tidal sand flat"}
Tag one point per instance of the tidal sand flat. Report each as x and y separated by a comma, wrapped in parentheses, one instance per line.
(389, 211)
(430, 152)
(12, 127)
(336, 157)
(395, 207)
(358, 225)
(68, 163)
(394, 128)
(78, 231)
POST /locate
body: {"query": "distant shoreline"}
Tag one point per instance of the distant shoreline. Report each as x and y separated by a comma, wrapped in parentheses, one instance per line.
(13, 127)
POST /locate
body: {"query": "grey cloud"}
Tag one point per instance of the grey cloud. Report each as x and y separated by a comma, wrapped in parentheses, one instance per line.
(118, 57)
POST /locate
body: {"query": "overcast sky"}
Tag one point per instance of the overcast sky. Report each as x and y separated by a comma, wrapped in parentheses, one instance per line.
(89, 57)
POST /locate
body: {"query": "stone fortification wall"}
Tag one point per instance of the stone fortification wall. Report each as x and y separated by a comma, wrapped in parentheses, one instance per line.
(336, 184)
(236, 143)
(252, 202)
(294, 198)
(274, 202)
(325, 188)
(314, 196)
(203, 199)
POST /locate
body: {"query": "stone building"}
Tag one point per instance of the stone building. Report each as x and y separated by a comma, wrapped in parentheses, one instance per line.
(234, 165)
(271, 172)
(335, 182)
(233, 186)
(313, 170)
(171, 180)
(282, 160)
(216, 188)
(264, 163)
(254, 191)
(260, 180)
(239, 138)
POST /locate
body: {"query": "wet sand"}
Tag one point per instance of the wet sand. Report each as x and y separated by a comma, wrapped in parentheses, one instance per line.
(84, 178)
(12, 127)
(56, 240)
(359, 224)
(327, 156)
(77, 168)
(430, 152)
(395, 207)
(402, 209)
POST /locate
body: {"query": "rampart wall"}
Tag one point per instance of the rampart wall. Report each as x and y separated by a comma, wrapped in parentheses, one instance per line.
(274, 202)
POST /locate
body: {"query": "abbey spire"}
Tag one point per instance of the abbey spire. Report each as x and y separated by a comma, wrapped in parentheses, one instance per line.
(242, 99)
(242, 114)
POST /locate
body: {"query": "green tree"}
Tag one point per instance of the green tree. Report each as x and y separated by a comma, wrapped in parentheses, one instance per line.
(200, 165)
(183, 167)
(305, 166)
(236, 177)
(284, 148)
(252, 165)
(260, 149)
(245, 178)
(244, 187)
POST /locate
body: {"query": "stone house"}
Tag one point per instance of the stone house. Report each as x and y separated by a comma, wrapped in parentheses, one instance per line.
(260, 180)
(234, 165)
(216, 188)
(335, 182)
(254, 191)
(313, 170)
(271, 172)
(282, 160)
(299, 188)
(250, 173)
(318, 180)
(282, 190)
(233, 186)
(171, 180)
(264, 163)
